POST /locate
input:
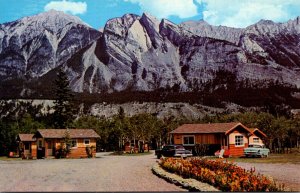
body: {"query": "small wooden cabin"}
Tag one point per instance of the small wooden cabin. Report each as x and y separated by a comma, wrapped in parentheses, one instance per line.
(257, 136)
(27, 146)
(46, 142)
(233, 137)
(140, 146)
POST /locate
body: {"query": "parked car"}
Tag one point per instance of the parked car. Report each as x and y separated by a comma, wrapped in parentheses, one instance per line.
(173, 151)
(256, 150)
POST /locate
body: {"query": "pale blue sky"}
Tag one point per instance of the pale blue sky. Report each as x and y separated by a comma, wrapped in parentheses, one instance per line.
(234, 13)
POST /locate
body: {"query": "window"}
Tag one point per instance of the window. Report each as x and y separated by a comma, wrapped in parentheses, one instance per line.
(188, 140)
(73, 143)
(239, 140)
(168, 147)
(26, 146)
(50, 145)
(40, 144)
(86, 141)
(255, 140)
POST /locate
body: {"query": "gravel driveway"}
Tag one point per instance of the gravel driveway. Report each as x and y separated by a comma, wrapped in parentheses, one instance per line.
(286, 173)
(110, 173)
(107, 173)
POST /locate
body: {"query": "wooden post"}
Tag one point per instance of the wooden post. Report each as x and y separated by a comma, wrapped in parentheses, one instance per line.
(134, 144)
(46, 148)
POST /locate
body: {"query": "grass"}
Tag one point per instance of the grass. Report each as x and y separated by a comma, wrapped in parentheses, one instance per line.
(5, 158)
(137, 154)
(131, 154)
(273, 158)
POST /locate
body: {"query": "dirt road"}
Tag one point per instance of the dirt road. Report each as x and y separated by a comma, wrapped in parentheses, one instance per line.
(286, 173)
(108, 173)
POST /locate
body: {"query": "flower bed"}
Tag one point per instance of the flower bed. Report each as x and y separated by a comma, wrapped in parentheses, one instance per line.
(225, 176)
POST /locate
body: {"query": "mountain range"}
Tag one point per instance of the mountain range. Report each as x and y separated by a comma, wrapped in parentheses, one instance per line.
(136, 53)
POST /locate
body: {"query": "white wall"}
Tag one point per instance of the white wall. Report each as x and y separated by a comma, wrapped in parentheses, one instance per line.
(232, 137)
(252, 142)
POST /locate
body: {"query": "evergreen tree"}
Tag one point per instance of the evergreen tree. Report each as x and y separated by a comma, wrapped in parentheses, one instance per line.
(63, 114)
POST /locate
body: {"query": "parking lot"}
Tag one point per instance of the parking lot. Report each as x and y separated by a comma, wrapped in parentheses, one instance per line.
(107, 173)
(112, 173)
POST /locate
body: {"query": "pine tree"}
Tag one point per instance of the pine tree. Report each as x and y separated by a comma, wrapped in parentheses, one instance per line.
(63, 108)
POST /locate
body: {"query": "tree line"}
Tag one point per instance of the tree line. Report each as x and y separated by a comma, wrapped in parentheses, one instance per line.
(283, 133)
(17, 116)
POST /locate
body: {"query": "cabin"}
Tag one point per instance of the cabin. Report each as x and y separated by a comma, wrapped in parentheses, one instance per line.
(232, 137)
(257, 136)
(46, 143)
(27, 146)
(138, 146)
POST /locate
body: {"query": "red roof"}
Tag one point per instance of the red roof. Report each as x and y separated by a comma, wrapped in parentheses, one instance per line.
(74, 133)
(253, 130)
(26, 137)
(208, 128)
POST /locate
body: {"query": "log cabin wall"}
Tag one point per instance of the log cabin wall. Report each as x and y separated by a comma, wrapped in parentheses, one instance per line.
(127, 147)
(209, 138)
(253, 139)
(80, 150)
(206, 138)
(33, 149)
(177, 139)
(76, 152)
(237, 150)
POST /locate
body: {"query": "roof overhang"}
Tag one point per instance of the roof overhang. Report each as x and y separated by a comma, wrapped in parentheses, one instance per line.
(259, 131)
(234, 127)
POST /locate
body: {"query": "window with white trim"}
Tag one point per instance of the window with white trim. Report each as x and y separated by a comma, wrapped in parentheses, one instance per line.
(86, 141)
(239, 140)
(255, 140)
(189, 140)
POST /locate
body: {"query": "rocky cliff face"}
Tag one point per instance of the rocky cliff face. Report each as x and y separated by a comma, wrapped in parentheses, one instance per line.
(142, 53)
(33, 46)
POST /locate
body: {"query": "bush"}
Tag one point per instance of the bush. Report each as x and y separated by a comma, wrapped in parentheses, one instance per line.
(62, 152)
(89, 151)
(225, 176)
(201, 149)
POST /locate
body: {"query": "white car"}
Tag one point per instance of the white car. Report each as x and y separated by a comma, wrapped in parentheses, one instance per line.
(256, 150)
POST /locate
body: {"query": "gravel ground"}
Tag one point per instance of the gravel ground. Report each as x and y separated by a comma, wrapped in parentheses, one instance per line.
(107, 173)
(286, 173)
(111, 173)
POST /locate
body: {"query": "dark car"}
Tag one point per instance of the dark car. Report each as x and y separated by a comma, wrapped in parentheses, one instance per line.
(173, 151)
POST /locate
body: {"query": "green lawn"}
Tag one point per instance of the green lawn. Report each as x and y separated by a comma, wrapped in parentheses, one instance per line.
(273, 158)
(131, 154)
(5, 158)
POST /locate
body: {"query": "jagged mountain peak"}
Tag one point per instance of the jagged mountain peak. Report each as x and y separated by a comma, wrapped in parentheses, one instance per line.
(148, 16)
(204, 29)
(123, 20)
(51, 20)
(272, 28)
(143, 53)
(55, 16)
(198, 23)
(40, 42)
(265, 22)
(114, 25)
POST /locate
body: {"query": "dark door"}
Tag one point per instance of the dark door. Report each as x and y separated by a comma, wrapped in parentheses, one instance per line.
(40, 150)
(41, 153)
